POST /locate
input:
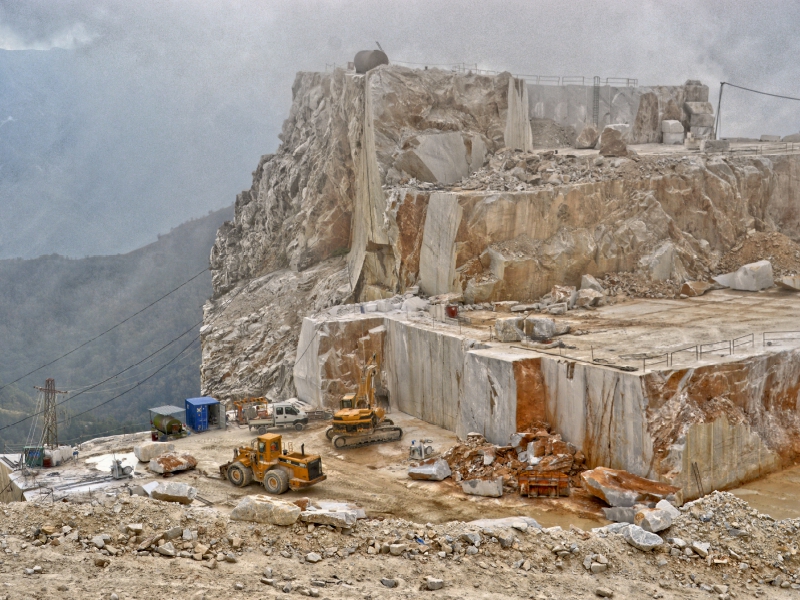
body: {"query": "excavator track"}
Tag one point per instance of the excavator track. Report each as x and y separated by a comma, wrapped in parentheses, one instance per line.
(379, 436)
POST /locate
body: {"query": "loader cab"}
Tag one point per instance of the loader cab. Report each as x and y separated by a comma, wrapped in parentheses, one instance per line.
(268, 447)
(347, 401)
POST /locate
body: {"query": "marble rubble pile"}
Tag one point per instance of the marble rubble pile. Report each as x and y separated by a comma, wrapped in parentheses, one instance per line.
(717, 544)
(475, 459)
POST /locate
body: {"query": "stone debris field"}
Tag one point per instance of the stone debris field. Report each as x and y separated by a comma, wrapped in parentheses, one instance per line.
(140, 548)
(581, 322)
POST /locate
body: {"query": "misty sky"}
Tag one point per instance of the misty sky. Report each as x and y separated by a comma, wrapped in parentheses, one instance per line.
(120, 120)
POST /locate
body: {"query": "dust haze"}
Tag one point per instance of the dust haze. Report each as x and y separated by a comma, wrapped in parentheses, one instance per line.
(121, 120)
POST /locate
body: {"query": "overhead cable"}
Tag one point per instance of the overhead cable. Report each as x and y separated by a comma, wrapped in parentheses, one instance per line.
(86, 343)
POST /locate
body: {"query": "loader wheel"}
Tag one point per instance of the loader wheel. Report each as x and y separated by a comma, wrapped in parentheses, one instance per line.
(239, 475)
(298, 426)
(329, 433)
(339, 441)
(276, 482)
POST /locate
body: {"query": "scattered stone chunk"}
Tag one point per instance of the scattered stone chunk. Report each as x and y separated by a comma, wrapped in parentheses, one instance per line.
(653, 519)
(621, 488)
(492, 488)
(172, 463)
(692, 289)
(148, 451)
(669, 508)
(586, 298)
(604, 592)
(434, 469)
(397, 549)
(509, 329)
(174, 491)
(544, 328)
(701, 548)
(790, 282)
(334, 518)
(612, 142)
(433, 584)
(641, 539)
(588, 282)
(587, 138)
(266, 509)
(313, 557)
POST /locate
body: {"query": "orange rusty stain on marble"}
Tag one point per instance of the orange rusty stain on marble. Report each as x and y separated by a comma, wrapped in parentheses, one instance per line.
(410, 220)
(531, 394)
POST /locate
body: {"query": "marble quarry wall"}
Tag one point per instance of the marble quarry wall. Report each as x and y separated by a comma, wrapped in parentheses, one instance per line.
(402, 178)
(515, 245)
(735, 420)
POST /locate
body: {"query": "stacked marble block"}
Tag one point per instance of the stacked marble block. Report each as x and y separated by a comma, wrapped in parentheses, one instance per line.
(699, 110)
(672, 132)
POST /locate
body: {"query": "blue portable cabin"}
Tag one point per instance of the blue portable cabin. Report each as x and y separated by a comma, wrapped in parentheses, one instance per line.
(204, 413)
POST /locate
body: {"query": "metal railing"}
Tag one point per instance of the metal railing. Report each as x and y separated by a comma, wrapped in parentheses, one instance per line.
(531, 78)
(658, 359)
(743, 340)
(769, 337)
(721, 346)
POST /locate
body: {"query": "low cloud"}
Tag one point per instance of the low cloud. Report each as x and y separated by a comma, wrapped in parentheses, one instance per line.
(70, 38)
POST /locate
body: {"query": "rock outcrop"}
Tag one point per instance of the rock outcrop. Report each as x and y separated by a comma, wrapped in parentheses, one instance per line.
(402, 178)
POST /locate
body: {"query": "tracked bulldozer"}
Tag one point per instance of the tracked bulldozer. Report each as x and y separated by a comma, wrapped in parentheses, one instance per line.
(359, 420)
(278, 470)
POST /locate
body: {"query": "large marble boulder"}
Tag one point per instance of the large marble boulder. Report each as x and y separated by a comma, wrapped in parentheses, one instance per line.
(266, 509)
(751, 278)
(612, 142)
(621, 488)
(174, 491)
(587, 138)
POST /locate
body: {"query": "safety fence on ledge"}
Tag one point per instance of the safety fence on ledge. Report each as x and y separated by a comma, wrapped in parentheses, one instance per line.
(466, 68)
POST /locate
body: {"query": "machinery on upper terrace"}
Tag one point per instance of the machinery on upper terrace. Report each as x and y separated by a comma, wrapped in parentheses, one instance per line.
(359, 420)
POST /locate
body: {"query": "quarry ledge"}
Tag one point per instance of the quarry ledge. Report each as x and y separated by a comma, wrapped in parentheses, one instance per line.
(729, 417)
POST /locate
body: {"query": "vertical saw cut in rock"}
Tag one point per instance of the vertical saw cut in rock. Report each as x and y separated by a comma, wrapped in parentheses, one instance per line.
(359, 420)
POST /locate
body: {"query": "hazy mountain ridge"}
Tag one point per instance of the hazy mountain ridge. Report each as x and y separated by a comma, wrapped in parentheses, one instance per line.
(52, 304)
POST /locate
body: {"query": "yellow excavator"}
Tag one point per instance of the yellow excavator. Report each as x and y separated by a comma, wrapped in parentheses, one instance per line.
(359, 420)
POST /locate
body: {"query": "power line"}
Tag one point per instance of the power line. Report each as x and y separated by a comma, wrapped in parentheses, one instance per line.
(165, 365)
(722, 84)
(224, 308)
(105, 332)
(112, 377)
(760, 92)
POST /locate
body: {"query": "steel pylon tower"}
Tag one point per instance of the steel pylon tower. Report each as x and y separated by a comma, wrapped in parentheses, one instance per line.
(50, 431)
